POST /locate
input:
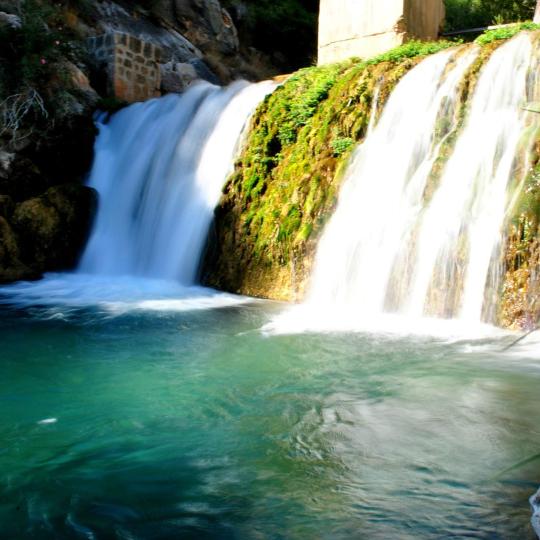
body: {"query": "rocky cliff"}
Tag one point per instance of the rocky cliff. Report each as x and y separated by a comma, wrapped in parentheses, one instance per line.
(61, 61)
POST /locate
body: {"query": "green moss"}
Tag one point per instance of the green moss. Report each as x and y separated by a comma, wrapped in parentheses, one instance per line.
(505, 33)
(412, 49)
(341, 145)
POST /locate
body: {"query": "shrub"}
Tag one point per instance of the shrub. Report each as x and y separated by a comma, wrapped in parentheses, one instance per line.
(464, 14)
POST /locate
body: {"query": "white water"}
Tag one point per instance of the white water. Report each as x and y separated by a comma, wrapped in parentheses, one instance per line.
(385, 261)
(61, 295)
(384, 187)
(159, 170)
(471, 200)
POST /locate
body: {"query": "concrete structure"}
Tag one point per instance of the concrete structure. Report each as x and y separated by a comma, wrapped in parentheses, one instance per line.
(130, 64)
(365, 28)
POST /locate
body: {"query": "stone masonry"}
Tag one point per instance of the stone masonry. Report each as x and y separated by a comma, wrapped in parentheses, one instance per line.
(130, 64)
(365, 28)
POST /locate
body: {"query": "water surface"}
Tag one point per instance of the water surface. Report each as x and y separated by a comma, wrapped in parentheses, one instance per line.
(177, 423)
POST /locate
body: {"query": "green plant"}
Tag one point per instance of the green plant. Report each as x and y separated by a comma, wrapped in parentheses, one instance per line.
(506, 32)
(341, 145)
(411, 49)
(464, 14)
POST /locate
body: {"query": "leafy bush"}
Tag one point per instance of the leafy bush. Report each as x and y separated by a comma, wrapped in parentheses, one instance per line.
(33, 90)
(464, 14)
(28, 53)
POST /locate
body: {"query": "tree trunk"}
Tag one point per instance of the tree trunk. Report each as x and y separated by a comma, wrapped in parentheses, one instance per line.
(537, 13)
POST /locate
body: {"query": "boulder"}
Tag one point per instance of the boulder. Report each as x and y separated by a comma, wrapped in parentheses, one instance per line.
(6, 206)
(176, 77)
(535, 503)
(11, 267)
(53, 228)
(20, 178)
(9, 20)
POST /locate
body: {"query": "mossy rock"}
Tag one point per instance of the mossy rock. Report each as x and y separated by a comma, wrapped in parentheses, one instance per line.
(11, 267)
(54, 227)
(287, 179)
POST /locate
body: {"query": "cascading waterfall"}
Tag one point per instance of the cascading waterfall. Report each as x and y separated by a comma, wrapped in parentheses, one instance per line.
(159, 170)
(411, 242)
(461, 228)
(384, 187)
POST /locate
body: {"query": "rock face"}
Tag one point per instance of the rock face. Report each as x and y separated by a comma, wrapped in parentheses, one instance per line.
(180, 41)
(98, 54)
(535, 503)
(44, 233)
(365, 28)
(53, 228)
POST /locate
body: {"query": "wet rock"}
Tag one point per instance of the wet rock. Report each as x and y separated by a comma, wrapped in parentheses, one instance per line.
(6, 206)
(11, 267)
(177, 77)
(535, 503)
(53, 228)
(204, 72)
(9, 20)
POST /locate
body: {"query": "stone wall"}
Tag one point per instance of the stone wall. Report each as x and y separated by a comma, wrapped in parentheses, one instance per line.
(130, 64)
(365, 28)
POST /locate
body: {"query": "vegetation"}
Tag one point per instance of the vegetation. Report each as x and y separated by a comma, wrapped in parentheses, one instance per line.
(463, 14)
(505, 33)
(284, 29)
(412, 49)
(34, 81)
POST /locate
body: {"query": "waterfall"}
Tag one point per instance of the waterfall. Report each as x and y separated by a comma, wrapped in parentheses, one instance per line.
(407, 242)
(384, 187)
(159, 169)
(461, 228)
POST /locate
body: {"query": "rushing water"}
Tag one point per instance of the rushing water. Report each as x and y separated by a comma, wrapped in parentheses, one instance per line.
(159, 169)
(159, 424)
(403, 241)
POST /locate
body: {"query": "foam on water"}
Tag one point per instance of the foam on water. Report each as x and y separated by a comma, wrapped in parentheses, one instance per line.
(114, 295)
(302, 319)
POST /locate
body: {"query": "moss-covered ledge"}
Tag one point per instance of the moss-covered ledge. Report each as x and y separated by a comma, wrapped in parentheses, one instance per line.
(286, 181)
(285, 184)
